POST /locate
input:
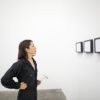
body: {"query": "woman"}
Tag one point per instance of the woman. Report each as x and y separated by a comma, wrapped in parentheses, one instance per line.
(25, 69)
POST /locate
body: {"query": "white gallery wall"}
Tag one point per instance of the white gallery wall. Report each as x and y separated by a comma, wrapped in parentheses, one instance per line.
(54, 26)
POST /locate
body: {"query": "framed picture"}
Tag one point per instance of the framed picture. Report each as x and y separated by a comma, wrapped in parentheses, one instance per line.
(97, 45)
(79, 47)
(88, 46)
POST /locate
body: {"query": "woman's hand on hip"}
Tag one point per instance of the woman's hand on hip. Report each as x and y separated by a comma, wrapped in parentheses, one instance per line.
(23, 85)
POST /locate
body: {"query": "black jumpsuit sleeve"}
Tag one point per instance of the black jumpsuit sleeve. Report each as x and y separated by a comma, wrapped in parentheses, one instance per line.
(7, 79)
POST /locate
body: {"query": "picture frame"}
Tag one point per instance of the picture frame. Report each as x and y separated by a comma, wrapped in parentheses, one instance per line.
(79, 47)
(88, 46)
(97, 45)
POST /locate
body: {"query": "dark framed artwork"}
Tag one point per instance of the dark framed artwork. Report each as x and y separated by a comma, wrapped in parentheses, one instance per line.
(88, 46)
(97, 45)
(79, 47)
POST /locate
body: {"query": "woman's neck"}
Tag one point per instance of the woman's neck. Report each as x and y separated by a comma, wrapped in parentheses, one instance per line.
(29, 57)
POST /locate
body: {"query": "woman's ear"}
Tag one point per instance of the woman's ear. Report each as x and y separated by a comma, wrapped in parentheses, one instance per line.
(26, 50)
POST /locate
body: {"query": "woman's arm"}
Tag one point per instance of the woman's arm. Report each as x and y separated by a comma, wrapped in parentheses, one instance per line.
(7, 79)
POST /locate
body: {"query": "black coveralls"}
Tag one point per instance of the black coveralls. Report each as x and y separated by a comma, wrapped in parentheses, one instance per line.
(23, 70)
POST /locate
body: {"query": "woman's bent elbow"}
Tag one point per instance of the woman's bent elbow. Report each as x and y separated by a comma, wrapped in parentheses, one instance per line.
(3, 82)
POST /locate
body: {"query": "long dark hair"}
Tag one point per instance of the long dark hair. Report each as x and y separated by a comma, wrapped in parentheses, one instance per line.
(22, 53)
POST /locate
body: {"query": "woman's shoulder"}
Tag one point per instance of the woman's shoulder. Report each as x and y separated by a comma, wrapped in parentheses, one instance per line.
(23, 61)
(19, 62)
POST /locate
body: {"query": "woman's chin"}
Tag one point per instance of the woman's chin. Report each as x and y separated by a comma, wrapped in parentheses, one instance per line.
(34, 54)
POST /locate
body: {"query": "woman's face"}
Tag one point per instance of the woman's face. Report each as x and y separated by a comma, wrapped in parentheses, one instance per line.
(32, 49)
